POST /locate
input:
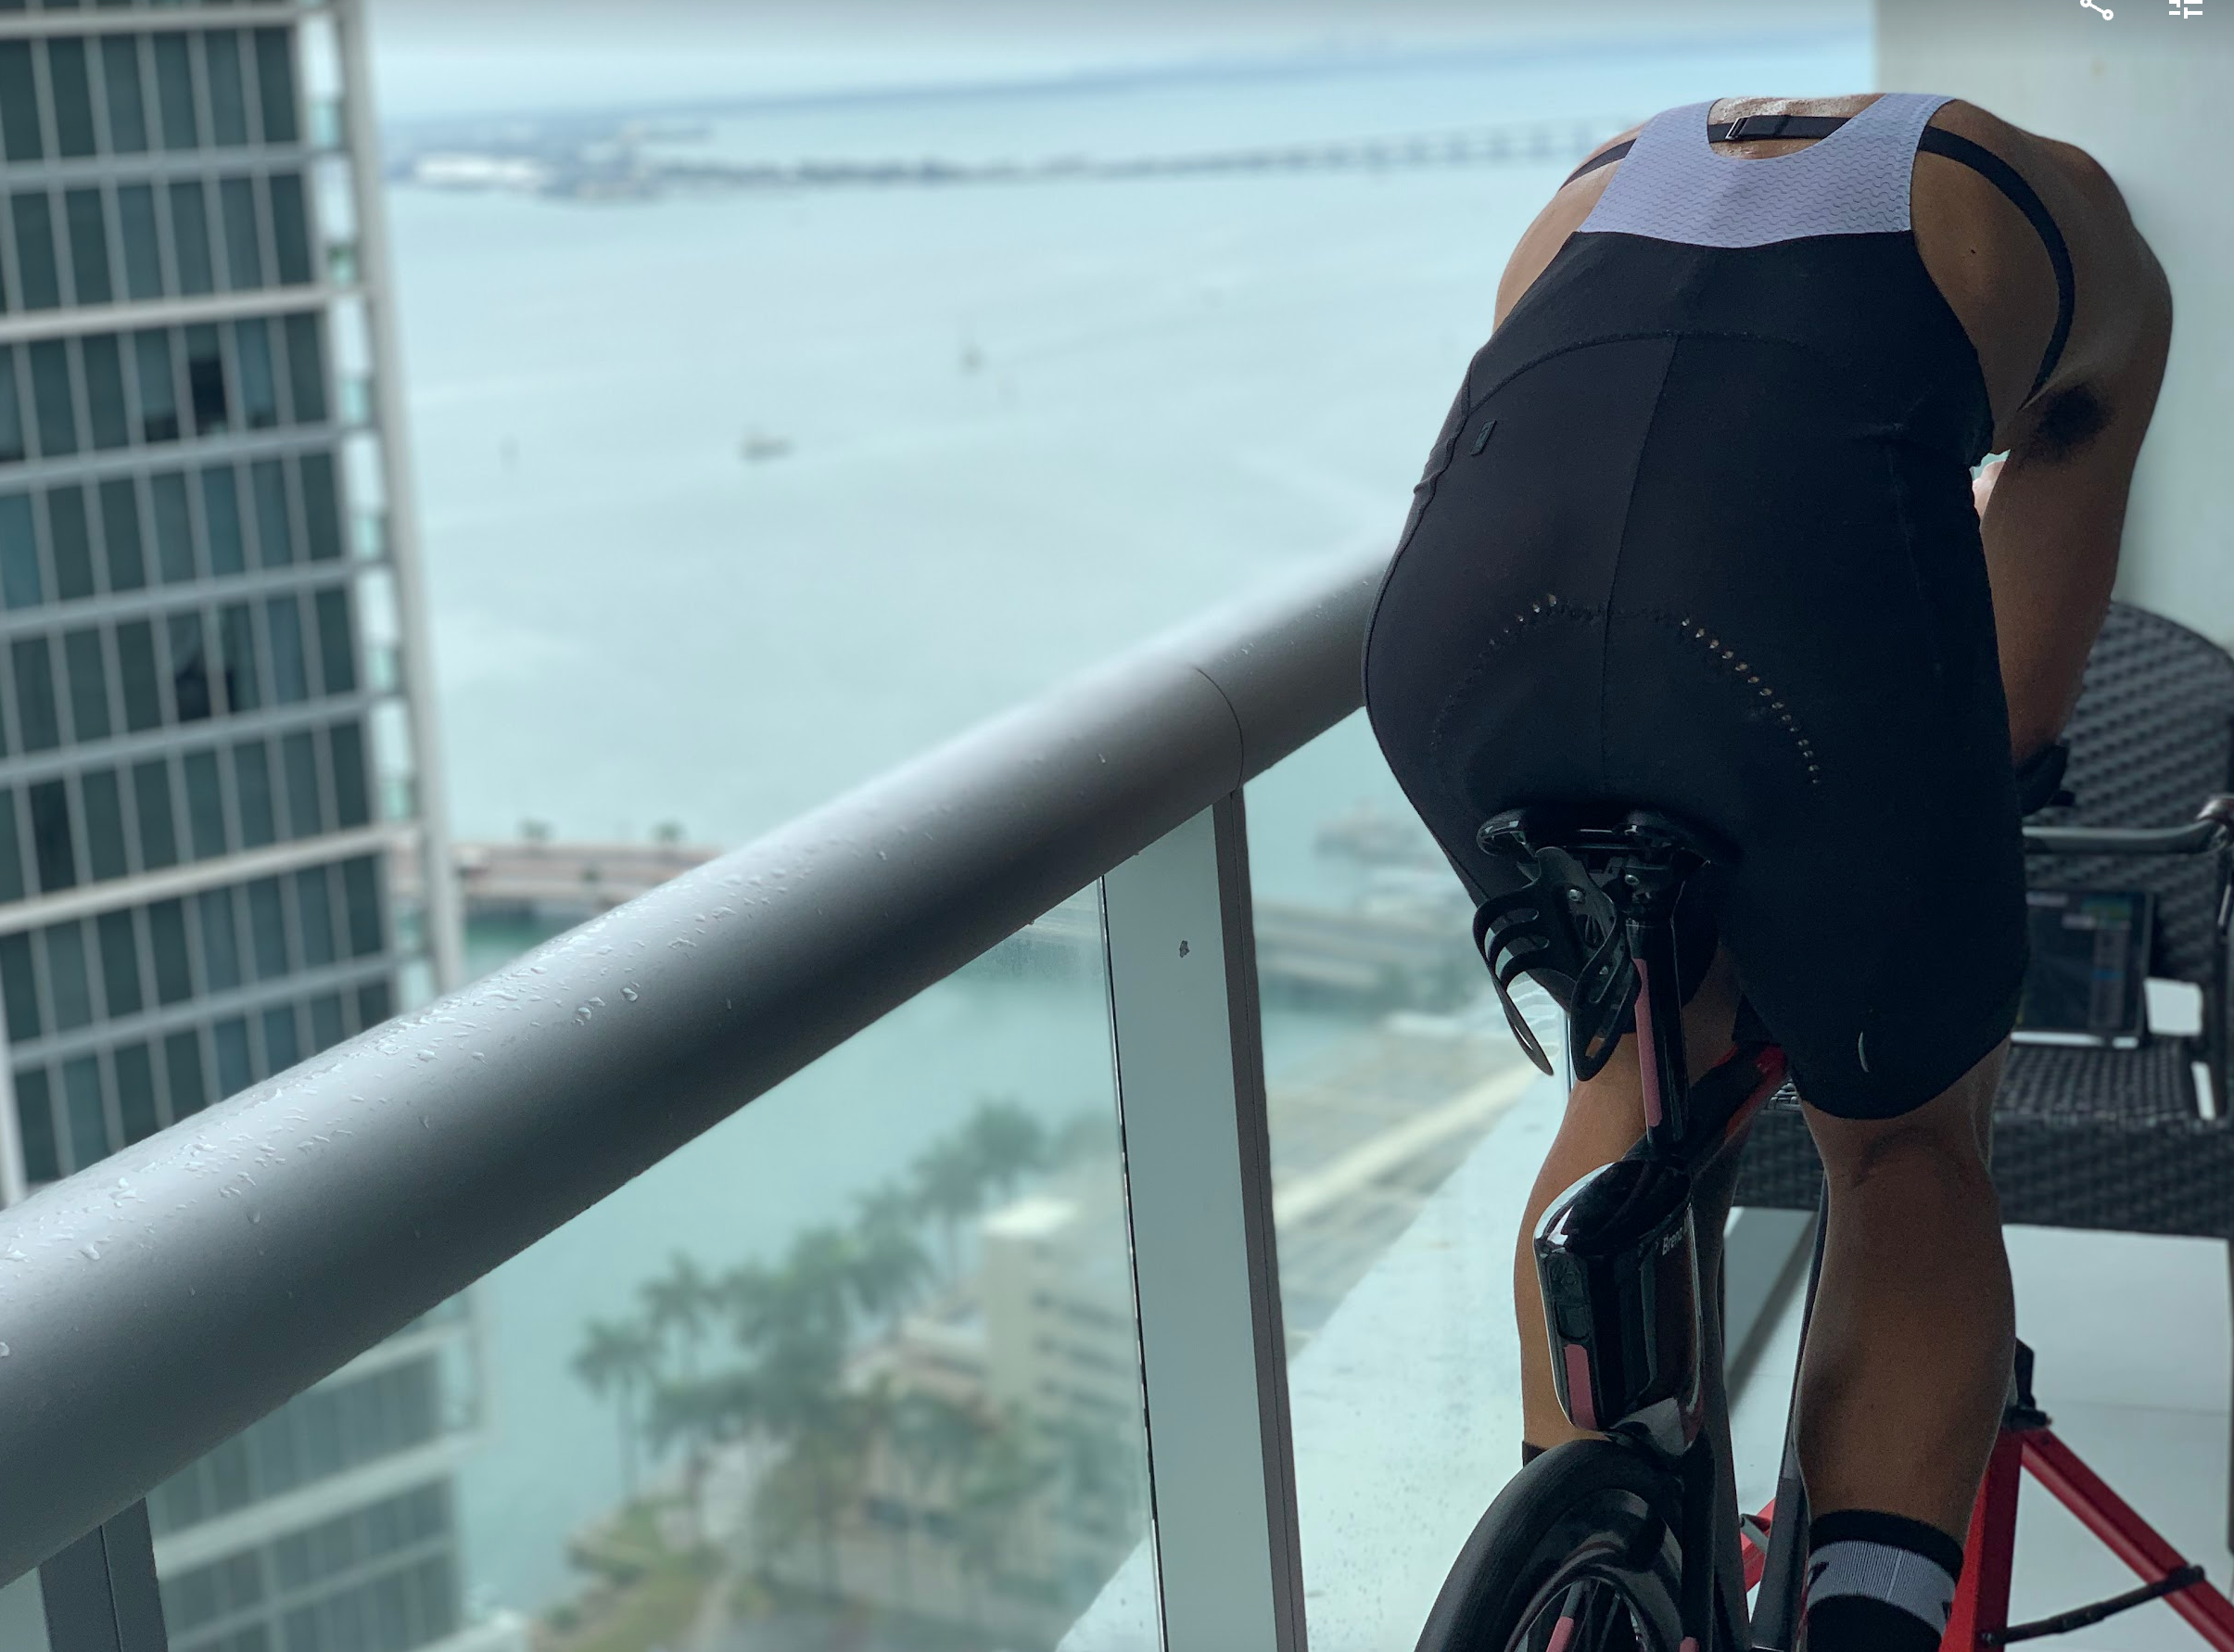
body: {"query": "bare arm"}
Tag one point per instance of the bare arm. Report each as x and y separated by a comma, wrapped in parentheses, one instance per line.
(2057, 507)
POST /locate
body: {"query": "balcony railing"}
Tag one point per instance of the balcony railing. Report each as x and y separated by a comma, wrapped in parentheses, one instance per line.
(158, 1303)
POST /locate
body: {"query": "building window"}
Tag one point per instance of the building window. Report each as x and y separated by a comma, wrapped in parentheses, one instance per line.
(206, 382)
(244, 234)
(159, 386)
(81, 210)
(19, 103)
(70, 535)
(143, 248)
(66, 78)
(121, 534)
(275, 86)
(228, 99)
(174, 91)
(109, 422)
(190, 237)
(38, 275)
(127, 107)
(52, 399)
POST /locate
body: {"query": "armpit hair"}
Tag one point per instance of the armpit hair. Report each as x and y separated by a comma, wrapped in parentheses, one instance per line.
(2071, 420)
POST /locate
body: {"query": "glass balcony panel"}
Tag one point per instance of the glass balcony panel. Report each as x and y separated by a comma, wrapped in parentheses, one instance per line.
(326, 123)
(368, 535)
(400, 797)
(862, 1360)
(1406, 1126)
(22, 1616)
(355, 402)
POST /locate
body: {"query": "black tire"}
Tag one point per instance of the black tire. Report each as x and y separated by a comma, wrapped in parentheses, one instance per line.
(1585, 1531)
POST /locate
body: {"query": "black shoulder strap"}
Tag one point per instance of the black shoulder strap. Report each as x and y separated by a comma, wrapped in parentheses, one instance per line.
(2011, 183)
(1604, 158)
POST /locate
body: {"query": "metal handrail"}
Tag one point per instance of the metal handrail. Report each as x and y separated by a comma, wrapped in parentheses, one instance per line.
(159, 1302)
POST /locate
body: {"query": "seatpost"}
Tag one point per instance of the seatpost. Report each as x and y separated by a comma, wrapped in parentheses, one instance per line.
(1650, 890)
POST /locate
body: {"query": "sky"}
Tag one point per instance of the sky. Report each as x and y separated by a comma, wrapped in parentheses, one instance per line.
(442, 59)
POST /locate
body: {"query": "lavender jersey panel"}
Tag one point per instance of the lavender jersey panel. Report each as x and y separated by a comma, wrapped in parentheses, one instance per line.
(1672, 186)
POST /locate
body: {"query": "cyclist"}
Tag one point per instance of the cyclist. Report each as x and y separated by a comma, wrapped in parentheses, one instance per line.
(1699, 535)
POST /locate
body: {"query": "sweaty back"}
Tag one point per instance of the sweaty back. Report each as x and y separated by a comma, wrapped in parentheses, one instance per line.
(1698, 536)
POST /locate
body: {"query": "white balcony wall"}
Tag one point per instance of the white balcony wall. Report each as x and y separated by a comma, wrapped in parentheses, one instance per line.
(2145, 93)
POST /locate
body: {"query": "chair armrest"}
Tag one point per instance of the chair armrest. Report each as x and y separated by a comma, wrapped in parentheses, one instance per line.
(2212, 828)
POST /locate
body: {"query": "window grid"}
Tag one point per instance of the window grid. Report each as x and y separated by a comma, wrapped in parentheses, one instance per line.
(256, 687)
(42, 85)
(298, 349)
(258, 178)
(155, 595)
(142, 538)
(31, 833)
(266, 74)
(312, 1591)
(52, 985)
(57, 1144)
(330, 1427)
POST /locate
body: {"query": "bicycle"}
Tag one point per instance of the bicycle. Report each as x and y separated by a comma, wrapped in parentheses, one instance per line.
(1631, 1541)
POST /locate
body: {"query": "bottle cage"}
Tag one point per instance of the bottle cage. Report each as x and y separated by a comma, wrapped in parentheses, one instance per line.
(1563, 924)
(1589, 873)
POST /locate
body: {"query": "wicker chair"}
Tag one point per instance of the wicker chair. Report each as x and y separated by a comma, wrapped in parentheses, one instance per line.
(2124, 1141)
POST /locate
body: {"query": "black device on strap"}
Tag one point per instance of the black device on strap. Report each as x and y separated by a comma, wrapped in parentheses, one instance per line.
(1751, 129)
(1934, 141)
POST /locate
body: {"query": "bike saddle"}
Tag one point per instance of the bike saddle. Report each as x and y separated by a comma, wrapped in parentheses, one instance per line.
(1591, 869)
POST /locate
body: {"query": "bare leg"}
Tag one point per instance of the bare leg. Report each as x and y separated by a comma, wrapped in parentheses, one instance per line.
(1909, 1354)
(1605, 1119)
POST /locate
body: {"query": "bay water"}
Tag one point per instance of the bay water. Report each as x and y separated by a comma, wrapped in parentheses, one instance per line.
(732, 500)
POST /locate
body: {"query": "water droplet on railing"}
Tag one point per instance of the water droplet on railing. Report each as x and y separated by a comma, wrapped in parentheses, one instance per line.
(427, 1055)
(256, 1215)
(90, 1253)
(630, 993)
(581, 1015)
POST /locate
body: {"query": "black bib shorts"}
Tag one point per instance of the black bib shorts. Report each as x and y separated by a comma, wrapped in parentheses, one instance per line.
(1699, 536)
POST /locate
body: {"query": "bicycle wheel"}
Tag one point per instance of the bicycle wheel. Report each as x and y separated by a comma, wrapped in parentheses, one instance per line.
(1574, 1556)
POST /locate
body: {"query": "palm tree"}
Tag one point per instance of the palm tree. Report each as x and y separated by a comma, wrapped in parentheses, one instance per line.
(999, 1481)
(948, 1190)
(931, 1438)
(618, 1360)
(795, 1320)
(1006, 1141)
(675, 1305)
(888, 1266)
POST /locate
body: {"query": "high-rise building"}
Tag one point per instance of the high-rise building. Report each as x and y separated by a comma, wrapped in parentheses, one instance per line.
(221, 839)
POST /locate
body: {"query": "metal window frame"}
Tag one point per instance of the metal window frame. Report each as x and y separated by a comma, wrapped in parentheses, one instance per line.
(1185, 1042)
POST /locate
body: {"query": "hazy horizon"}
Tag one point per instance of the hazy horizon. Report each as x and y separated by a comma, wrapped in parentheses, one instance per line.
(442, 61)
